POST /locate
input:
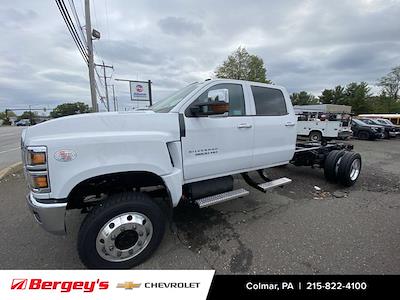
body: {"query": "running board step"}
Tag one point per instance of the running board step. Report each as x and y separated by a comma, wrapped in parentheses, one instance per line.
(275, 183)
(219, 198)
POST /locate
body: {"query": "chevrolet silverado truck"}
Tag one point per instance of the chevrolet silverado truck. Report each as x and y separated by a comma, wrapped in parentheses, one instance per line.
(128, 170)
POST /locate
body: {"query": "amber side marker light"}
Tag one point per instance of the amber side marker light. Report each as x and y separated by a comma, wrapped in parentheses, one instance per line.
(40, 181)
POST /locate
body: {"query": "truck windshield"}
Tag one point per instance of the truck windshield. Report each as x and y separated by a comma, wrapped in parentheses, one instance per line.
(165, 105)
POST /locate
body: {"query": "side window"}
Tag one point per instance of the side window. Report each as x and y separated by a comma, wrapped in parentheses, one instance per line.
(269, 101)
(234, 94)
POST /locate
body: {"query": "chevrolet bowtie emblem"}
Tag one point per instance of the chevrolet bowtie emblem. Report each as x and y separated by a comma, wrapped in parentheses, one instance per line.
(128, 285)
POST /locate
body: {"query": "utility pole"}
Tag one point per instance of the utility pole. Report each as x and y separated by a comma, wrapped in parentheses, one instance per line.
(104, 66)
(115, 105)
(88, 26)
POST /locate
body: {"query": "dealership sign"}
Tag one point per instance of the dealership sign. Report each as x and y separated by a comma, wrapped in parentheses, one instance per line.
(140, 90)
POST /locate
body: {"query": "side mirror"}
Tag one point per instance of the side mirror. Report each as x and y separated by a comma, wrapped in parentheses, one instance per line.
(217, 104)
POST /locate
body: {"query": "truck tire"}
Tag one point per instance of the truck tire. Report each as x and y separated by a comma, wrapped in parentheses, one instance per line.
(315, 136)
(331, 165)
(363, 135)
(122, 232)
(349, 168)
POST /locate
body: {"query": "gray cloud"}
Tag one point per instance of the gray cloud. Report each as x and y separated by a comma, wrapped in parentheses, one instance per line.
(306, 45)
(180, 26)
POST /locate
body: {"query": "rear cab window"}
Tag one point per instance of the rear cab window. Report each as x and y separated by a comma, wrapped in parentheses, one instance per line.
(269, 101)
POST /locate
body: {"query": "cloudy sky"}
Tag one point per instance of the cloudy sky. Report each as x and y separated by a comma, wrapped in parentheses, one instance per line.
(306, 45)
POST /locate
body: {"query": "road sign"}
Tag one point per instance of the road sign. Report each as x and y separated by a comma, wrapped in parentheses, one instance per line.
(140, 90)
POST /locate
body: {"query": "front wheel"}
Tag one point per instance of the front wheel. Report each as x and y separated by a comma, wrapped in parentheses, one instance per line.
(386, 135)
(121, 233)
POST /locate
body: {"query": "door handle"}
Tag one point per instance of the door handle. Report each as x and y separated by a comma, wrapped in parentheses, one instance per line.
(245, 125)
(290, 124)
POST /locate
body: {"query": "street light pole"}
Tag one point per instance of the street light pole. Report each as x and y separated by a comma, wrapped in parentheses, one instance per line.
(88, 26)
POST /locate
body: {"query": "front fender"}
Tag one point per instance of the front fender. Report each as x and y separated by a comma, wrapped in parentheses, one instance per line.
(104, 154)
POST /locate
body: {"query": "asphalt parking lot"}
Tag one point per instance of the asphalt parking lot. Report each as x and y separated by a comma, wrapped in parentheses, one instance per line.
(292, 230)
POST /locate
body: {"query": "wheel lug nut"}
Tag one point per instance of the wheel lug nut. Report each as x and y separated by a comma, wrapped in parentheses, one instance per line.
(111, 248)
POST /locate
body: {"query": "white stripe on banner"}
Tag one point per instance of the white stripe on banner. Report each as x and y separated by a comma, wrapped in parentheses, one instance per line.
(104, 284)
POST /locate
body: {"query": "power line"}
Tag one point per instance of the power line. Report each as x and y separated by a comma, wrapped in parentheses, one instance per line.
(72, 30)
(72, 25)
(76, 17)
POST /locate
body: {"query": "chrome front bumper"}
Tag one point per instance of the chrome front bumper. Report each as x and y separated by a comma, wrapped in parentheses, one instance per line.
(51, 216)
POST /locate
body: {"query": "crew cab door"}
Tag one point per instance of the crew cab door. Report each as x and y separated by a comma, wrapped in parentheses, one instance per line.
(217, 144)
(274, 126)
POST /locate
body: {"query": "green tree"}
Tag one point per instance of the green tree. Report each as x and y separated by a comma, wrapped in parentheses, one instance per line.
(390, 83)
(333, 96)
(384, 104)
(6, 116)
(28, 115)
(244, 66)
(357, 96)
(67, 109)
(303, 98)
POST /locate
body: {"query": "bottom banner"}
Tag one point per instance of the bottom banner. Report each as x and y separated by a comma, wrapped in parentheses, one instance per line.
(185, 284)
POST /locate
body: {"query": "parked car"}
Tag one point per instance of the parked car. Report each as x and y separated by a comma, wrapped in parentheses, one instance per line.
(365, 131)
(390, 130)
(23, 122)
(388, 122)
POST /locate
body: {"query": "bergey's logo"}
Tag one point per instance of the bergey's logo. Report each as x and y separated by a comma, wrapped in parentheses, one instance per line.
(18, 284)
(60, 286)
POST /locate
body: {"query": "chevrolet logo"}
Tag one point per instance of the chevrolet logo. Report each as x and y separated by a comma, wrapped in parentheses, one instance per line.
(128, 285)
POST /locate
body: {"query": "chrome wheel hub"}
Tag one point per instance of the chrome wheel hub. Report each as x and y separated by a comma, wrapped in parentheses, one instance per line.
(355, 169)
(124, 236)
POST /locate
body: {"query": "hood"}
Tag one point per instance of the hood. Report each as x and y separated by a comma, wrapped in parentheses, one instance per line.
(376, 126)
(92, 123)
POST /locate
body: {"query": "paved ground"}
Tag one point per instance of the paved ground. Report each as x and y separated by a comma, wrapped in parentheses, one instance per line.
(10, 140)
(294, 230)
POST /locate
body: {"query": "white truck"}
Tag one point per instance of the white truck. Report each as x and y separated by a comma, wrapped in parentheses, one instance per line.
(322, 122)
(128, 170)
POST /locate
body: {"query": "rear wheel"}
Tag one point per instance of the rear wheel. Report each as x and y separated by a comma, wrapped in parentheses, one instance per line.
(349, 168)
(315, 136)
(331, 164)
(121, 233)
